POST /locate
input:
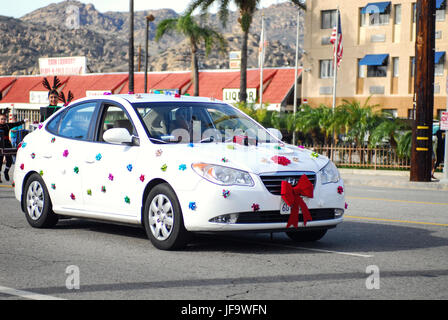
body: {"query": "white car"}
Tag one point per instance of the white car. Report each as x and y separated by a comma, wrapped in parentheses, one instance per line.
(175, 165)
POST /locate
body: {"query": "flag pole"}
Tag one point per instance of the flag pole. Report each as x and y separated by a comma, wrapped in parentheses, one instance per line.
(261, 60)
(295, 75)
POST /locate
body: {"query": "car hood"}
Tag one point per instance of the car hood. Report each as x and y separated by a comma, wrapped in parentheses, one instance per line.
(267, 157)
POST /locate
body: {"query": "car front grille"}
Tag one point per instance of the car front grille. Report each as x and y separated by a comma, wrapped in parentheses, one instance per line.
(276, 217)
(273, 181)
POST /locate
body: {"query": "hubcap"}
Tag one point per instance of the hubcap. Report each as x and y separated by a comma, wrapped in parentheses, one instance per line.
(35, 200)
(161, 217)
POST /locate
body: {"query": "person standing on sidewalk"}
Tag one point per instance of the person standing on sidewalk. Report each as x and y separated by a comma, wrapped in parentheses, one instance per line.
(6, 143)
(440, 151)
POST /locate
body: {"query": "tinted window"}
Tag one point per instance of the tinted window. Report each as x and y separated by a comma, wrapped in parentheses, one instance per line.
(53, 125)
(76, 121)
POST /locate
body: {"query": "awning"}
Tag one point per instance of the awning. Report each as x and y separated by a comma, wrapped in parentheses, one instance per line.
(376, 7)
(374, 60)
(440, 4)
(439, 56)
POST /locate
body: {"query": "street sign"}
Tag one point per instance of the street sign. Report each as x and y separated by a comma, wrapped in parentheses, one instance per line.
(444, 121)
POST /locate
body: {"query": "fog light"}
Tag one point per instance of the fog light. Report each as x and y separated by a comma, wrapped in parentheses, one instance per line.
(226, 218)
(338, 213)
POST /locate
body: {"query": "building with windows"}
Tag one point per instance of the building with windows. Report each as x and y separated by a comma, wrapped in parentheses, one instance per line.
(378, 59)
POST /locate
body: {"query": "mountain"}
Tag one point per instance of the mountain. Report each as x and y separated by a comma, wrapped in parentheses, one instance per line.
(71, 28)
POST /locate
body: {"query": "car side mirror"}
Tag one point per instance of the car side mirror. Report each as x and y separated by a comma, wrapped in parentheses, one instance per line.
(117, 136)
(276, 133)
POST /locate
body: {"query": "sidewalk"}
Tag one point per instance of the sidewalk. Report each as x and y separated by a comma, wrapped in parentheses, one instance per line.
(389, 179)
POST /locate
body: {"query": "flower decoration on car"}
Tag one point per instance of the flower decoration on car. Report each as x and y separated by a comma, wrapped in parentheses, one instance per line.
(23, 145)
(255, 207)
(89, 192)
(142, 177)
(301, 147)
(127, 200)
(76, 170)
(129, 167)
(192, 206)
(22, 166)
(72, 196)
(346, 205)
(53, 186)
(98, 157)
(340, 190)
(53, 140)
(225, 160)
(191, 145)
(103, 189)
(281, 160)
(164, 167)
(41, 173)
(65, 154)
(183, 167)
(314, 155)
(111, 177)
(295, 159)
(231, 147)
(40, 126)
(225, 193)
(277, 147)
(33, 155)
(159, 152)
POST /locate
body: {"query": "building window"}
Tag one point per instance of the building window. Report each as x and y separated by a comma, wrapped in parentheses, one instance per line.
(440, 14)
(411, 114)
(395, 64)
(328, 19)
(326, 68)
(438, 68)
(361, 70)
(412, 66)
(397, 14)
(414, 13)
(376, 71)
(393, 113)
(362, 18)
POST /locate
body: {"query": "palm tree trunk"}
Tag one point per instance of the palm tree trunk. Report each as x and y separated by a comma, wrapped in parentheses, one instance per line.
(194, 69)
(131, 46)
(243, 68)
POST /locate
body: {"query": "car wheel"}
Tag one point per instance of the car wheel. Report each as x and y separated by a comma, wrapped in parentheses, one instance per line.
(38, 207)
(306, 236)
(163, 219)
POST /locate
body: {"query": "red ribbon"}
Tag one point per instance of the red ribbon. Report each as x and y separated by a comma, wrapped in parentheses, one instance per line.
(292, 197)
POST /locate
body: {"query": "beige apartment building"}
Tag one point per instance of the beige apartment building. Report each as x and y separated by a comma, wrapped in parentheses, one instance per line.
(378, 59)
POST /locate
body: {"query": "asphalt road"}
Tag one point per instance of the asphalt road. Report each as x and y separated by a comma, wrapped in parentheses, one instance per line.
(392, 245)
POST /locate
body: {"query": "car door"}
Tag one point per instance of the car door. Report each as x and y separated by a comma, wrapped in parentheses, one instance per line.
(69, 135)
(110, 169)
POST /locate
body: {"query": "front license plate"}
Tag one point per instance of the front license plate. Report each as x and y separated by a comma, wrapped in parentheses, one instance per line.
(284, 208)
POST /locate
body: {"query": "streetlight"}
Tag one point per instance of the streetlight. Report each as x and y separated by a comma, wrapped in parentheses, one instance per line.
(149, 19)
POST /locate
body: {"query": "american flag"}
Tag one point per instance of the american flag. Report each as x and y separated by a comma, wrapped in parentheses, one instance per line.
(337, 31)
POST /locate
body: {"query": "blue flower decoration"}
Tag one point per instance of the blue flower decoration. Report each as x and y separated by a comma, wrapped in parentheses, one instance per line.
(183, 167)
(129, 167)
(191, 145)
(192, 206)
(98, 157)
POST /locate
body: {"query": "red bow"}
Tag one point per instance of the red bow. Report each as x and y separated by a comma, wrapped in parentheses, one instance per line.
(292, 197)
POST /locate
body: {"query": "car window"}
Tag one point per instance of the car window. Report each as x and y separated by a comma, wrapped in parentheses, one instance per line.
(53, 125)
(115, 117)
(76, 121)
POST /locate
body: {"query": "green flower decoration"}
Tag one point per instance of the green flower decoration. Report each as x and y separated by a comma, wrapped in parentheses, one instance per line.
(41, 172)
(89, 192)
(76, 170)
(103, 189)
(314, 155)
(164, 167)
(127, 200)
(53, 186)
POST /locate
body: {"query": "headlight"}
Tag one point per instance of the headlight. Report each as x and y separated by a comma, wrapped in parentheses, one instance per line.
(223, 175)
(329, 173)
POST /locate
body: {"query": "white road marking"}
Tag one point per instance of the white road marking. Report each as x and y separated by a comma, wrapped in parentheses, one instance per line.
(26, 294)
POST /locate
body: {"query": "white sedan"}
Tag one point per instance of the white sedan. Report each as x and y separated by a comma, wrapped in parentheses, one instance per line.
(175, 165)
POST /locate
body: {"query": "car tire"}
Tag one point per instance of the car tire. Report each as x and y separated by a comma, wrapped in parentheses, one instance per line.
(306, 236)
(162, 219)
(37, 203)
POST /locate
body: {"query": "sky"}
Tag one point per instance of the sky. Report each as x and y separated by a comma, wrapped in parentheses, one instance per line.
(18, 8)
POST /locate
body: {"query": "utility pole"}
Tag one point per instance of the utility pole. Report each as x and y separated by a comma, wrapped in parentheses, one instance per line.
(421, 154)
(296, 71)
(131, 46)
(149, 19)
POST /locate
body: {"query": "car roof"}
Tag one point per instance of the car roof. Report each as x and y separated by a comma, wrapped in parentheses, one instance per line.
(150, 97)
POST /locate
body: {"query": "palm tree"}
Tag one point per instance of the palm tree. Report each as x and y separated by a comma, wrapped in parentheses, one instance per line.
(247, 10)
(195, 33)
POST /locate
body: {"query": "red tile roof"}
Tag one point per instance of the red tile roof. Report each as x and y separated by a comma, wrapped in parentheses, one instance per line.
(277, 90)
(79, 84)
(5, 82)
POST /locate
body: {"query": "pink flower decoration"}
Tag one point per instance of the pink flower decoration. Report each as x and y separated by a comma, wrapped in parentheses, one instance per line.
(346, 205)
(142, 177)
(301, 147)
(40, 125)
(72, 196)
(255, 207)
(281, 160)
(111, 177)
(65, 153)
(22, 166)
(340, 190)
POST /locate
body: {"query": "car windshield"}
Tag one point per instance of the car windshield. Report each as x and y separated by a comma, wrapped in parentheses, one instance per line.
(182, 122)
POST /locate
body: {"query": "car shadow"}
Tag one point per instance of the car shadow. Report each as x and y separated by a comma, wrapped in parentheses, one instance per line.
(356, 237)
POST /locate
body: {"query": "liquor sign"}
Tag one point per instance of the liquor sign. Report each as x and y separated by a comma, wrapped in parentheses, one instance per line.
(63, 66)
(39, 97)
(444, 121)
(232, 95)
